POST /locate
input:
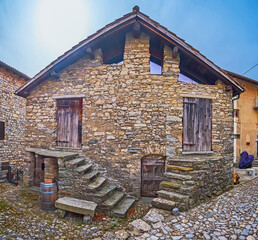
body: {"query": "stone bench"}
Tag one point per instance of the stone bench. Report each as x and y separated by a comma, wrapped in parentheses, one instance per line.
(86, 208)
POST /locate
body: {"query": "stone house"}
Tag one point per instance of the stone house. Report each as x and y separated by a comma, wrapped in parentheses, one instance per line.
(151, 114)
(12, 116)
(246, 118)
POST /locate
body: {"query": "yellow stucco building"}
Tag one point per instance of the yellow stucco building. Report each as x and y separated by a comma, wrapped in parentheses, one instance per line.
(246, 118)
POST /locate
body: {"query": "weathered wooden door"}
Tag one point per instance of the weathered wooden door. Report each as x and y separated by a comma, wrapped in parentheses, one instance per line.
(197, 124)
(38, 170)
(69, 122)
(152, 170)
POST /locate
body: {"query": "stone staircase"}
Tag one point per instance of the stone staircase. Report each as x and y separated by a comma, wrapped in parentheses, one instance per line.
(187, 182)
(79, 177)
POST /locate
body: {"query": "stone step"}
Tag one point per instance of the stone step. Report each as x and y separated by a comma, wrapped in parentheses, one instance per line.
(170, 185)
(123, 207)
(178, 188)
(84, 168)
(177, 176)
(2, 180)
(163, 203)
(90, 175)
(96, 183)
(76, 162)
(177, 197)
(103, 193)
(76, 205)
(171, 168)
(112, 200)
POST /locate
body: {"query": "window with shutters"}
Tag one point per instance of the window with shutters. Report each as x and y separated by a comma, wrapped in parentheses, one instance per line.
(2, 130)
(197, 124)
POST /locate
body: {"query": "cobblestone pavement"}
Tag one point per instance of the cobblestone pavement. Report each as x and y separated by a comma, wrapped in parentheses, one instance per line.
(233, 215)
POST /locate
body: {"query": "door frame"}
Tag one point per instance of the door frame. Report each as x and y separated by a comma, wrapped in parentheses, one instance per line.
(71, 97)
(142, 178)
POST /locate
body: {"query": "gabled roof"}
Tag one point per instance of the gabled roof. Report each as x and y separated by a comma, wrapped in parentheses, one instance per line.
(13, 70)
(121, 23)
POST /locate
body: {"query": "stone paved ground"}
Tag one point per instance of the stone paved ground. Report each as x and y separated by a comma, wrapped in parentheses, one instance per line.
(233, 215)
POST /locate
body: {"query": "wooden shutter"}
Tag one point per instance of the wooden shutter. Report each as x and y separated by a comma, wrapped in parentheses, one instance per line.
(69, 122)
(197, 124)
(2, 130)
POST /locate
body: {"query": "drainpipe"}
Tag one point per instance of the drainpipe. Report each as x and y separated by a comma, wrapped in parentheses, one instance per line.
(235, 128)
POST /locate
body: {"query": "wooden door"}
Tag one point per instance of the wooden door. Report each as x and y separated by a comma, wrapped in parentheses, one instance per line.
(39, 167)
(69, 122)
(197, 124)
(152, 170)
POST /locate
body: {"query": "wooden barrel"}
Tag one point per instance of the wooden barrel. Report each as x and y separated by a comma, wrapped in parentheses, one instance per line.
(48, 196)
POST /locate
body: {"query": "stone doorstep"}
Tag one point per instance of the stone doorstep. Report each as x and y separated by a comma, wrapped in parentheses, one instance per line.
(123, 207)
(163, 203)
(97, 182)
(76, 205)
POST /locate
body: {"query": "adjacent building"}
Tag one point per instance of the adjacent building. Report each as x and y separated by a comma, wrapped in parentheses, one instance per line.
(12, 116)
(246, 118)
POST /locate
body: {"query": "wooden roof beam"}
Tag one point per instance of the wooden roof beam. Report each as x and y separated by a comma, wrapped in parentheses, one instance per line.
(190, 72)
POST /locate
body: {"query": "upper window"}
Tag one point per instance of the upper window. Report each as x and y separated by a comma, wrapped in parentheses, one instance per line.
(155, 68)
(2, 130)
(183, 78)
(197, 124)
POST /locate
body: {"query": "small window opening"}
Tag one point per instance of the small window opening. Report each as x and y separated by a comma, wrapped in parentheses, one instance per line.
(183, 78)
(155, 66)
(2, 130)
(117, 59)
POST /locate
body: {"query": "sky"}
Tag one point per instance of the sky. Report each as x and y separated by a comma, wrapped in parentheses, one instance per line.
(33, 33)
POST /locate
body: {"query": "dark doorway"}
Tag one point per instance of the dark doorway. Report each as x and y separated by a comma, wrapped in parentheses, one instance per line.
(39, 167)
(152, 170)
(69, 122)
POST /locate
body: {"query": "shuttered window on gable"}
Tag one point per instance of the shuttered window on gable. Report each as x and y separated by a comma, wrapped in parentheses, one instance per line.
(2, 130)
(197, 124)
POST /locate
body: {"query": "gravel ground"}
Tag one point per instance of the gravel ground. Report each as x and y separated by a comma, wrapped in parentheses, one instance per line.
(233, 215)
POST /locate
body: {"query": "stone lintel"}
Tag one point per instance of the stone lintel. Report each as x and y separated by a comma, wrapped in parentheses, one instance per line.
(198, 152)
(198, 96)
(68, 96)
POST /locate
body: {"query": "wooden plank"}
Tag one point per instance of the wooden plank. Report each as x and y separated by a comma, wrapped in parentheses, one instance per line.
(197, 123)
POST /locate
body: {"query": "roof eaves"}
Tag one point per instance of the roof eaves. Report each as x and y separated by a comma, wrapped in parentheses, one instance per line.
(81, 44)
(188, 47)
(15, 71)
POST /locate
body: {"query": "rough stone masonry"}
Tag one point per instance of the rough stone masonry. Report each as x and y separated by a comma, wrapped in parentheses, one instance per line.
(12, 113)
(126, 108)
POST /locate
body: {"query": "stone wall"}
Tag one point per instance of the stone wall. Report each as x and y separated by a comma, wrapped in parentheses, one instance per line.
(12, 112)
(127, 112)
